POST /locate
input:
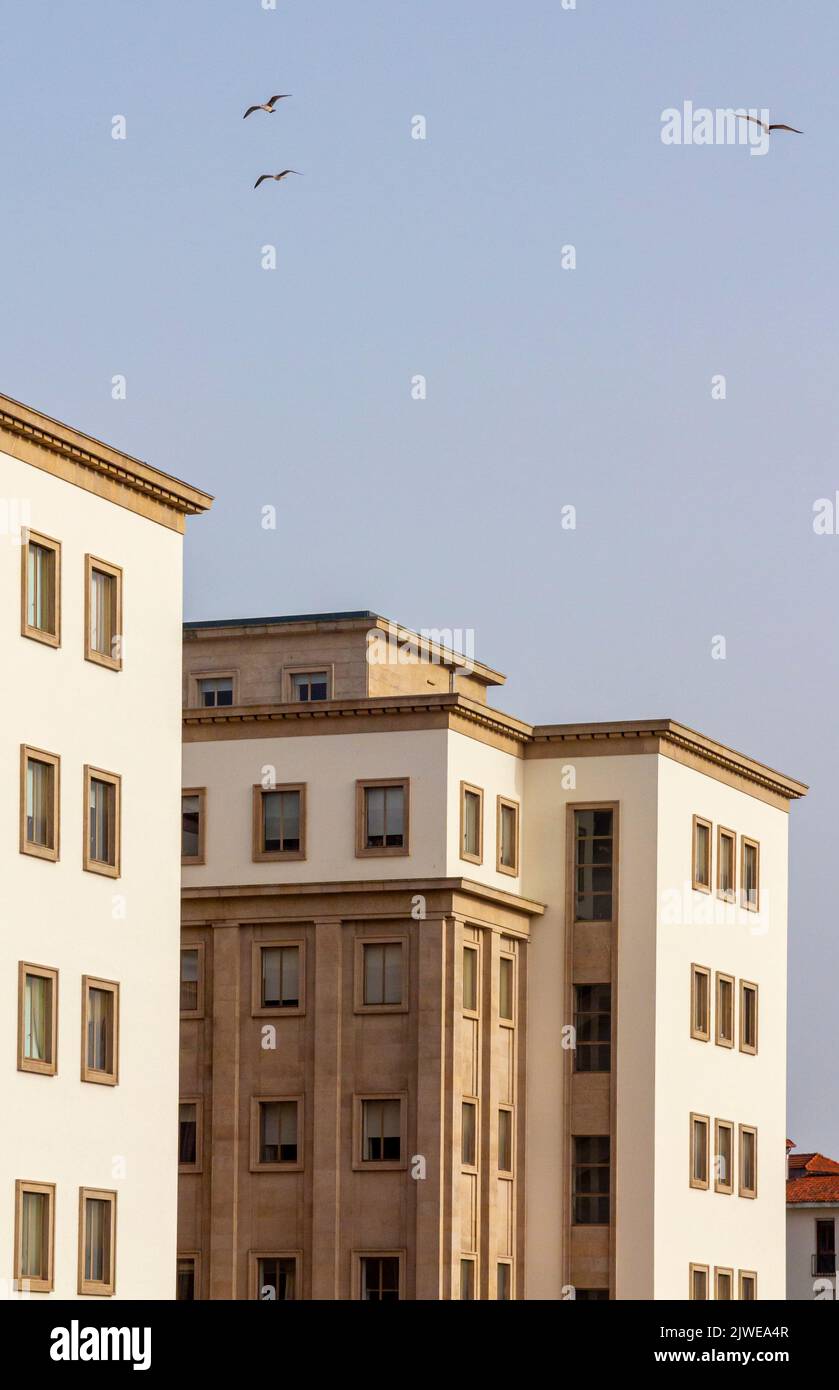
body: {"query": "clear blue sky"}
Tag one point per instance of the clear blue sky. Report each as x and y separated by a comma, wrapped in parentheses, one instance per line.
(545, 387)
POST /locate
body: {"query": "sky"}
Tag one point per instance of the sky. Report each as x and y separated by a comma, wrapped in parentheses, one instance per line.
(546, 386)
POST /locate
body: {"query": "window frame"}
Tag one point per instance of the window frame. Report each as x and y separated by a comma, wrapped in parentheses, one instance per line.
(198, 1165)
(100, 866)
(746, 842)
(588, 1045)
(326, 668)
(201, 856)
(697, 885)
(379, 1165)
(287, 1166)
(260, 1010)
(742, 1190)
(32, 1064)
(693, 1270)
(468, 1262)
(361, 944)
(50, 853)
(726, 1188)
(727, 895)
(468, 789)
(742, 1275)
(750, 1050)
(195, 1257)
(700, 1035)
(24, 1283)
(512, 958)
(573, 809)
(196, 677)
(47, 638)
(358, 1256)
(721, 978)
(727, 1272)
(508, 1265)
(261, 855)
(94, 562)
(362, 851)
(468, 1165)
(88, 1073)
(512, 871)
(254, 1256)
(695, 1182)
(198, 1011)
(608, 1167)
(506, 1109)
(466, 1009)
(104, 1287)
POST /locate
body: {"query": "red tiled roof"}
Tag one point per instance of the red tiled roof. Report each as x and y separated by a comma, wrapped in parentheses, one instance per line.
(813, 1178)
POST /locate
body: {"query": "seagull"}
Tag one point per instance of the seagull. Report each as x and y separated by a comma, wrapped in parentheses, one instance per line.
(767, 128)
(268, 105)
(262, 177)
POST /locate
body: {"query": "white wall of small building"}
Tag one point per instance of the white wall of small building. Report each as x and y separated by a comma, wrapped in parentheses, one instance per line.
(802, 1283)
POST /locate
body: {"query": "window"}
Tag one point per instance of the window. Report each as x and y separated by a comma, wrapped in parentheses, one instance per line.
(750, 874)
(214, 691)
(593, 1027)
(591, 1295)
(192, 981)
(748, 1285)
(506, 989)
(699, 1136)
(700, 1002)
(103, 615)
(381, 1131)
(100, 1031)
(725, 1010)
(505, 1140)
(701, 873)
(382, 971)
(723, 1282)
(275, 1130)
(40, 775)
(824, 1260)
(97, 1240)
(41, 589)
(591, 1181)
(504, 1281)
(186, 1281)
(189, 1136)
(309, 685)
(278, 978)
(467, 1279)
(748, 1017)
(699, 1282)
(382, 817)
(34, 1236)
(279, 822)
(507, 837)
(37, 1019)
(748, 1161)
(469, 1134)
(471, 966)
(593, 865)
(102, 833)
(193, 825)
(471, 823)
(274, 1277)
(726, 864)
(379, 1278)
(723, 1156)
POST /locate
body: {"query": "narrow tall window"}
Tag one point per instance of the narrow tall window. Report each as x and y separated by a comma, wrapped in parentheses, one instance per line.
(824, 1261)
(748, 1161)
(309, 685)
(279, 822)
(97, 1241)
(505, 1140)
(699, 1145)
(100, 1035)
(188, 1136)
(750, 874)
(593, 1027)
(504, 1282)
(591, 1181)
(469, 1134)
(723, 1156)
(41, 585)
(192, 1002)
(193, 825)
(379, 1278)
(470, 979)
(37, 1019)
(593, 865)
(277, 1138)
(471, 823)
(381, 1133)
(382, 973)
(185, 1288)
(34, 1238)
(506, 989)
(276, 1278)
(104, 614)
(700, 1002)
(102, 834)
(723, 1281)
(467, 1280)
(702, 830)
(699, 1282)
(748, 1286)
(508, 836)
(726, 864)
(382, 817)
(279, 977)
(748, 1017)
(214, 691)
(39, 803)
(725, 1010)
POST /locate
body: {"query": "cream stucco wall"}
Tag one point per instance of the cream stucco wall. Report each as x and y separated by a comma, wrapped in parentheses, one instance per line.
(58, 1129)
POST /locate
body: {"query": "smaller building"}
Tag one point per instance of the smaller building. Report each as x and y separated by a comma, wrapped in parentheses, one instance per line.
(812, 1211)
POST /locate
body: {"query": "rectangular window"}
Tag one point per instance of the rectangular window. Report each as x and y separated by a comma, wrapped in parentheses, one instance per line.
(309, 685)
(467, 1279)
(593, 1027)
(276, 1129)
(37, 1019)
(507, 837)
(702, 831)
(193, 824)
(279, 822)
(471, 823)
(469, 1134)
(700, 1002)
(506, 989)
(382, 817)
(189, 1136)
(699, 1283)
(750, 874)
(97, 1240)
(278, 977)
(381, 1130)
(726, 864)
(379, 1278)
(100, 1031)
(748, 1286)
(102, 798)
(593, 865)
(41, 589)
(275, 1278)
(214, 691)
(382, 971)
(505, 1140)
(470, 979)
(103, 600)
(592, 1295)
(725, 1010)
(504, 1281)
(824, 1261)
(192, 981)
(34, 1236)
(748, 1017)
(40, 775)
(186, 1282)
(591, 1180)
(699, 1145)
(723, 1284)
(748, 1161)
(723, 1156)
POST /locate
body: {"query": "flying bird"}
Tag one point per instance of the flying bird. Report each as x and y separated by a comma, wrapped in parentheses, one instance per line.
(267, 105)
(263, 177)
(743, 117)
